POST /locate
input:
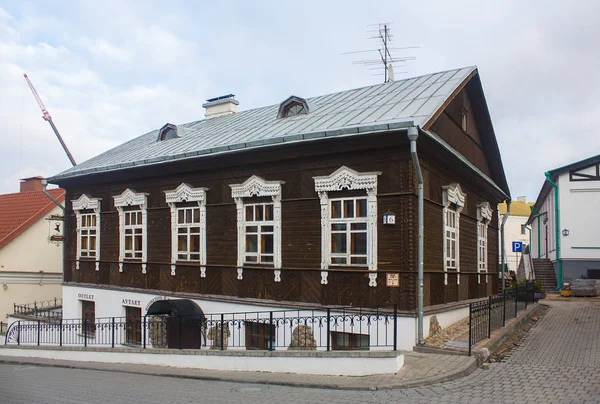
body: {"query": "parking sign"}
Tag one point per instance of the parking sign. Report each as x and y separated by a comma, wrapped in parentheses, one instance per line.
(517, 246)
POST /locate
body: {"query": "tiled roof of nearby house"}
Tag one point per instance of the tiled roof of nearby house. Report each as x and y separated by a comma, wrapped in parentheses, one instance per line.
(517, 208)
(19, 211)
(372, 109)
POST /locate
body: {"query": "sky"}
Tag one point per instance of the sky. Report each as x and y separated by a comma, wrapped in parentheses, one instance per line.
(110, 71)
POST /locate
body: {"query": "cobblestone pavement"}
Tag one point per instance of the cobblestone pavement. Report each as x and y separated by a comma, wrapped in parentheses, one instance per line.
(557, 362)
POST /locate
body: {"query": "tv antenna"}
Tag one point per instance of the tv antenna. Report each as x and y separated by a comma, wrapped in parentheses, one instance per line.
(387, 55)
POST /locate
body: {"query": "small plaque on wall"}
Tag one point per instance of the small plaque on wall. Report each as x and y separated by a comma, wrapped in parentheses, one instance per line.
(392, 280)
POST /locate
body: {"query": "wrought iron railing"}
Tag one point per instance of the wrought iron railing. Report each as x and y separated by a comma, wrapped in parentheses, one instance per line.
(328, 329)
(48, 309)
(492, 313)
(3, 327)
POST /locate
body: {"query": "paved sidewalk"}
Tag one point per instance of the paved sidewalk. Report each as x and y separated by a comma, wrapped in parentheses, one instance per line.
(419, 369)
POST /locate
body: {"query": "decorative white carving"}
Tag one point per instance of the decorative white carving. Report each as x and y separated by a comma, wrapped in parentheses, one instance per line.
(185, 193)
(484, 216)
(85, 202)
(484, 211)
(373, 280)
(131, 198)
(345, 178)
(324, 275)
(452, 194)
(173, 267)
(277, 273)
(240, 273)
(202, 272)
(257, 186)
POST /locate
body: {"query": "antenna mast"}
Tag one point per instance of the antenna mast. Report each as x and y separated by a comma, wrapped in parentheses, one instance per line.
(48, 118)
(387, 57)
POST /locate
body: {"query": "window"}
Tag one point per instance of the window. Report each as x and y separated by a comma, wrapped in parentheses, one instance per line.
(258, 223)
(259, 233)
(523, 229)
(292, 106)
(349, 231)
(484, 217)
(464, 119)
(133, 227)
(169, 131)
(134, 234)
(348, 224)
(188, 225)
(259, 335)
(453, 200)
(87, 212)
(344, 341)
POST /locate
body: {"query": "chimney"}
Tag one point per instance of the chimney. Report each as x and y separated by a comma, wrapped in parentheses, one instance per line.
(31, 184)
(522, 199)
(219, 106)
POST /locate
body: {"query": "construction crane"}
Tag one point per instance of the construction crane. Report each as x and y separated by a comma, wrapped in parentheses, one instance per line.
(48, 118)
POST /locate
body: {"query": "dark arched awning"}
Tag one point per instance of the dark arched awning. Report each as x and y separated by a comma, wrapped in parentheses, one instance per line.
(175, 308)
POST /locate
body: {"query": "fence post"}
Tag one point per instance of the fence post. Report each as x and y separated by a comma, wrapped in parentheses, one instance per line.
(526, 293)
(504, 308)
(180, 333)
(38, 332)
(19, 332)
(271, 336)
(328, 330)
(516, 301)
(222, 330)
(144, 333)
(490, 317)
(113, 332)
(85, 331)
(60, 332)
(395, 327)
(470, 327)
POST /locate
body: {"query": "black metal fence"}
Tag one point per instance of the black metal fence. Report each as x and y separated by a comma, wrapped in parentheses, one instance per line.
(492, 313)
(344, 329)
(3, 327)
(48, 309)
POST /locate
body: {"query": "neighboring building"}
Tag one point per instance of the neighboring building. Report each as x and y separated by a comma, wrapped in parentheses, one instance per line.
(285, 204)
(571, 238)
(514, 229)
(30, 246)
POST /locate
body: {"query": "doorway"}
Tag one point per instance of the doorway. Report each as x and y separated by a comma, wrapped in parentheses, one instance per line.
(133, 327)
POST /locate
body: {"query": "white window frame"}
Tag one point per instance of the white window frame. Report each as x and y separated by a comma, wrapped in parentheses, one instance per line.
(257, 187)
(131, 198)
(348, 221)
(186, 193)
(484, 217)
(345, 178)
(259, 224)
(453, 199)
(85, 202)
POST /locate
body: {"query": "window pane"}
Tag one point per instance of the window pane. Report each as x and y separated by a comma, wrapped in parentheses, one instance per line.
(266, 242)
(138, 243)
(182, 230)
(196, 215)
(338, 243)
(358, 260)
(349, 208)
(266, 229)
(338, 260)
(182, 243)
(251, 258)
(251, 243)
(251, 229)
(258, 212)
(358, 226)
(195, 257)
(195, 243)
(139, 217)
(361, 208)
(266, 258)
(195, 230)
(92, 243)
(359, 243)
(249, 213)
(336, 209)
(188, 216)
(338, 227)
(180, 216)
(269, 212)
(128, 243)
(182, 256)
(84, 243)
(127, 219)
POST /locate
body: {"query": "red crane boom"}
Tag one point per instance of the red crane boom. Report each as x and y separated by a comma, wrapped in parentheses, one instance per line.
(48, 118)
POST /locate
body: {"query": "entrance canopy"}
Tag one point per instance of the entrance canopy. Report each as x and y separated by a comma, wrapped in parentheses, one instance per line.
(175, 308)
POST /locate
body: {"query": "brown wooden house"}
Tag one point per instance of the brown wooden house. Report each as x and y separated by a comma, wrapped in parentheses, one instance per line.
(286, 203)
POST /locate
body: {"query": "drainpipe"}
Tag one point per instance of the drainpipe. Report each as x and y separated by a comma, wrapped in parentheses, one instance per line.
(534, 210)
(502, 246)
(44, 185)
(557, 231)
(413, 134)
(530, 262)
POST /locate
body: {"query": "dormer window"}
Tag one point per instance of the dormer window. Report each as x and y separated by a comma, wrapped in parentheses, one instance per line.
(169, 131)
(292, 106)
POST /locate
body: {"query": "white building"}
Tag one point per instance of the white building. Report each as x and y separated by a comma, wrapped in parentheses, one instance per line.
(565, 221)
(514, 230)
(30, 246)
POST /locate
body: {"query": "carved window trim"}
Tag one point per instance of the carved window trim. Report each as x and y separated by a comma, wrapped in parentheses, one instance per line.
(345, 178)
(484, 217)
(131, 198)
(86, 202)
(186, 193)
(256, 186)
(453, 198)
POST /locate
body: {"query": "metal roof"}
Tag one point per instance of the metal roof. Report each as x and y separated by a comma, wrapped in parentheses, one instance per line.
(376, 108)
